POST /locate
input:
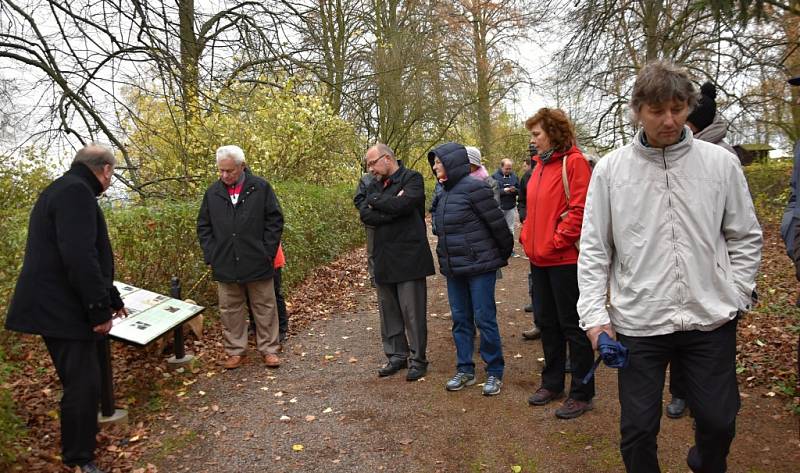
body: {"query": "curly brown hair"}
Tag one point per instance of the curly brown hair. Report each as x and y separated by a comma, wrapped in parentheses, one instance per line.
(556, 124)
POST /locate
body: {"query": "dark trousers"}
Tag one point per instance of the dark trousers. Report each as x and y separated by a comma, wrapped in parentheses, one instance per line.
(530, 294)
(555, 303)
(708, 363)
(283, 316)
(79, 371)
(676, 382)
(403, 310)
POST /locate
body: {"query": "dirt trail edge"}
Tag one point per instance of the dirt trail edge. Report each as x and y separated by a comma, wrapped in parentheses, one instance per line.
(326, 410)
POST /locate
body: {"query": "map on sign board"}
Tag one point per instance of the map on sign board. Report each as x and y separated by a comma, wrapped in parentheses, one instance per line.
(150, 315)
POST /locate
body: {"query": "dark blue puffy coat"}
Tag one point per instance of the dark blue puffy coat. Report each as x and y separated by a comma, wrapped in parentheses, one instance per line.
(473, 235)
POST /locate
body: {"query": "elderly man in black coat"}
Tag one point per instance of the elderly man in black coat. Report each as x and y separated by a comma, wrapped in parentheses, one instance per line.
(239, 227)
(395, 206)
(66, 293)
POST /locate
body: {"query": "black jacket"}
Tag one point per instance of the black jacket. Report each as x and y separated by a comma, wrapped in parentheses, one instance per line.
(473, 235)
(66, 284)
(522, 194)
(508, 200)
(397, 211)
(240, 242)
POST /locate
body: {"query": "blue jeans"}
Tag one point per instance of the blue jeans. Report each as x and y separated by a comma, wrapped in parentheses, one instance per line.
(472, 304)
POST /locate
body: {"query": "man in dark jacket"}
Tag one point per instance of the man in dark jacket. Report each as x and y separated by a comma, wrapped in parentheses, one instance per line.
(239, 227)
(66, 293)
(395, 206)
(509, 187)
(522, 207)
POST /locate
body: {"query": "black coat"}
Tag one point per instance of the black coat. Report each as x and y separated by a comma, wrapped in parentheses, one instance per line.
(522, 194)
(508, 200)
(66, 286)
(240, 242)
(473, 235)
(397, 211)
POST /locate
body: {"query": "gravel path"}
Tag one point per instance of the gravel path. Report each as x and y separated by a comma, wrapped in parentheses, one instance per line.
(340, 417)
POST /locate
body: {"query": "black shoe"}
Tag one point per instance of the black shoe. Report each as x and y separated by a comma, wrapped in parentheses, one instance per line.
(391, 368)
(416, 372)
(282, 338)
(90, 468)
(676, 408)
(529, 308)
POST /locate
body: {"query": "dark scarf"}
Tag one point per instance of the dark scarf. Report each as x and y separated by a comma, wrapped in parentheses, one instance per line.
(547, 155)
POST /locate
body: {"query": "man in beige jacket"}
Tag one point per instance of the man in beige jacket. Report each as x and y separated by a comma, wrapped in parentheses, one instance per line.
(670, 236)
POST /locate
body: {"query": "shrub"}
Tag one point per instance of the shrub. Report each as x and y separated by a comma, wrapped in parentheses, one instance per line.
(769, 186)
(153, 242)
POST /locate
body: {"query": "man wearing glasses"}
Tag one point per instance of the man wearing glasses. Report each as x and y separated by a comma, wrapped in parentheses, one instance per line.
(395, 207)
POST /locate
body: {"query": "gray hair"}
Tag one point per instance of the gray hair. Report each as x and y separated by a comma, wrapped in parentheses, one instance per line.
(662, 81)
(506, 160)
(230, 151)
(95, 156)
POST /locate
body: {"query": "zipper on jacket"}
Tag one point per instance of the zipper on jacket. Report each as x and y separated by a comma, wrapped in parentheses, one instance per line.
(444, 233)
(674, 236)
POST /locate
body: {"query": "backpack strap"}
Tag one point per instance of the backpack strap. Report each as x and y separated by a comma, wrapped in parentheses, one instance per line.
(564, 180)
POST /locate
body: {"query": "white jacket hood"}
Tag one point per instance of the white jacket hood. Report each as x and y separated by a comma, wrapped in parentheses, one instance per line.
(670, 239)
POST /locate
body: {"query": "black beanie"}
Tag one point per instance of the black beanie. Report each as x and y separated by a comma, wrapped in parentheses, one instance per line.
(706, 109)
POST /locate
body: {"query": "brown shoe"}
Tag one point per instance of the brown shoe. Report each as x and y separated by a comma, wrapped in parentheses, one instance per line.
(233, 362)
(532, 334)
(573, 408)
(272, 360)
(542, 396)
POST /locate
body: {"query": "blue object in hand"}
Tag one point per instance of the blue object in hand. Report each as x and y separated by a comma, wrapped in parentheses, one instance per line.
(612, 353)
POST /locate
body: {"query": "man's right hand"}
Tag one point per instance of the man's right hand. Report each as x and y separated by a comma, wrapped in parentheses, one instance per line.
(594, 333)
(103, 328)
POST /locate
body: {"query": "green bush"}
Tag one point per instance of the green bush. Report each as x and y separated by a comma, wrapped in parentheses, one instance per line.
(769, 186)
(154, 242)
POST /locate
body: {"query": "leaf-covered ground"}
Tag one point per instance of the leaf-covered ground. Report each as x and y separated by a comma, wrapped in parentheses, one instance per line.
(340, 417)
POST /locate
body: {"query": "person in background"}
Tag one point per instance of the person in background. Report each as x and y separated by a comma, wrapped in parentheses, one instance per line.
(550, 237)
(509, 186)
(65, 293)
(669, 256)
(474, 242)
(707, 125)
(705, 122)
(522, 204)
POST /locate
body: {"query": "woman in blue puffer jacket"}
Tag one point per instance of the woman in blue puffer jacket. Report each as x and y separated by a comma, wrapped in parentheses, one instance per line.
(474, 241)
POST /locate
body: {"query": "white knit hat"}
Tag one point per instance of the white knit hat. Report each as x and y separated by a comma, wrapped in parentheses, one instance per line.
(474, 155)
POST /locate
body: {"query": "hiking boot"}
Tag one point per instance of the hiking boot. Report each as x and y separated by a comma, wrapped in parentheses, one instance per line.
(532, 334)
(676, 408)
(529, 308)
(543, 396)
(416, 372)
(233, 362)
(573, 408)
(272, 360)
(391, 368)
(460, 380)
(90, 468)
(492, 386)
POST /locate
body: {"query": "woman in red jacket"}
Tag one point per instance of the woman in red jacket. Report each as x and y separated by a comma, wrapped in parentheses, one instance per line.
(556, 193)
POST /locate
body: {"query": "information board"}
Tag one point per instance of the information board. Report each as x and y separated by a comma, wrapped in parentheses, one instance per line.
(150, 315)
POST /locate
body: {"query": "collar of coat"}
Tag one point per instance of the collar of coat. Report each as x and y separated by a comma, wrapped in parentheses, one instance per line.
(82, 171)
(670, 153)
(221, 189)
